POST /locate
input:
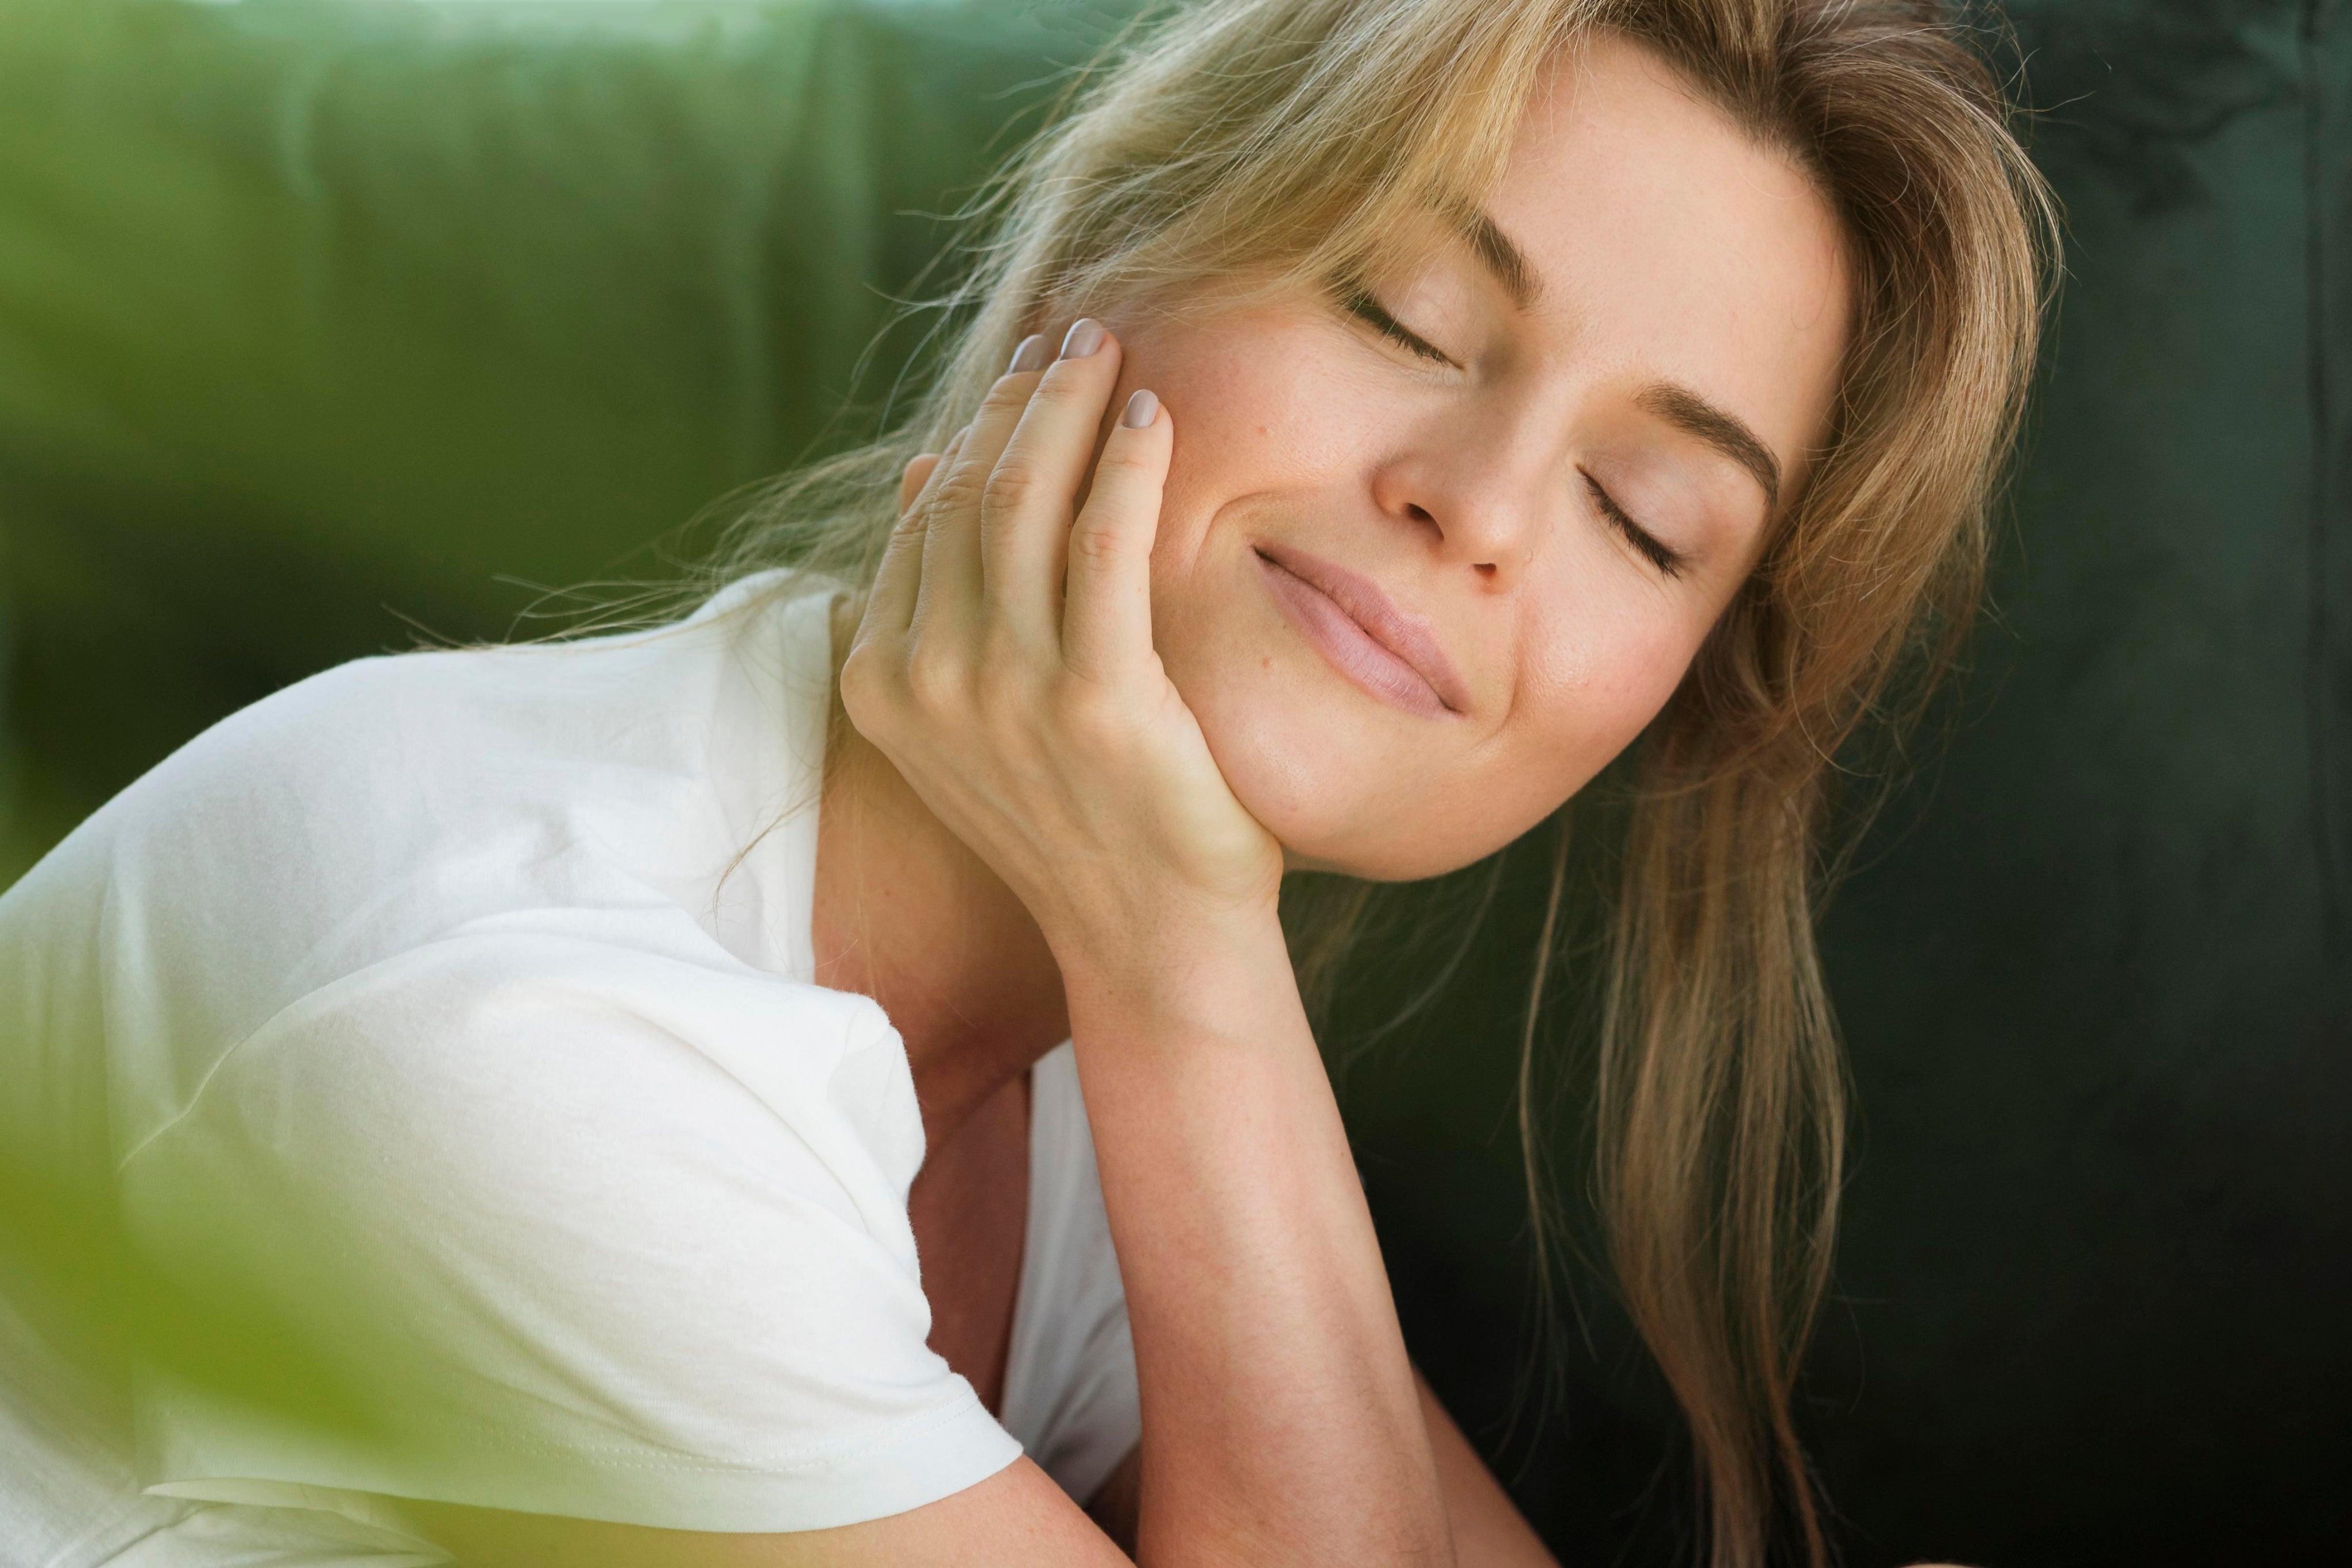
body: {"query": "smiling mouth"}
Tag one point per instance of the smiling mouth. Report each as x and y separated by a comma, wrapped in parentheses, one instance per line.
(1361, 633)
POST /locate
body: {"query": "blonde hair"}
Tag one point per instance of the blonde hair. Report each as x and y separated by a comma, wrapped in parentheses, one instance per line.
(1290, 141)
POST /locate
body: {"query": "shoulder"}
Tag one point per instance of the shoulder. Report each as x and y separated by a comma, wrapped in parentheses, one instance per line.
(427, 738)
(389, 802)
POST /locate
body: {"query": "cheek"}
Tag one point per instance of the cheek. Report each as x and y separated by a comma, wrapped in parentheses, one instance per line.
(1594, 676)
(1261, 410)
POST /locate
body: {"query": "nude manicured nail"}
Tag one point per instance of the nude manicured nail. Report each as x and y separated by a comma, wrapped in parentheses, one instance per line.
(1085, 337)
(1142, 410)
(1029, 356)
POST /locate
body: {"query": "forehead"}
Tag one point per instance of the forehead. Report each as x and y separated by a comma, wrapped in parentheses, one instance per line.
(1667, 242)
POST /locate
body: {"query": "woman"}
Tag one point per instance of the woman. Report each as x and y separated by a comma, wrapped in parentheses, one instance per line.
(640, 1086)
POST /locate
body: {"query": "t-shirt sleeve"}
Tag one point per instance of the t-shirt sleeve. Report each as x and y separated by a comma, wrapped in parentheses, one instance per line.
(571, 1224)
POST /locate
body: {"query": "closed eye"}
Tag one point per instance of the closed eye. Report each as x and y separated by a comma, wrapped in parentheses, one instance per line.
(1641, 539)
(1360, 304)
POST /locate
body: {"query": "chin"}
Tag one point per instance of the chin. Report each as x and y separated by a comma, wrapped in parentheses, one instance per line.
(1343, 780)
(1335, 799)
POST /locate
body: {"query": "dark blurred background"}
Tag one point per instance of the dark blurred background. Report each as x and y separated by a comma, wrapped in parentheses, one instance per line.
(325, 321)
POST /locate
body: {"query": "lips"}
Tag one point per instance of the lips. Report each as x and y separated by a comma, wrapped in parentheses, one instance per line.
(1362, 632)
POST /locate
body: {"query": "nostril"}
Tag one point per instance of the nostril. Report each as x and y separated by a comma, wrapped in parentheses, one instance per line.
(1484, 569)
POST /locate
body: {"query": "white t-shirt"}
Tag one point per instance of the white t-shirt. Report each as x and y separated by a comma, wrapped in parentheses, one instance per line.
(455, 1012)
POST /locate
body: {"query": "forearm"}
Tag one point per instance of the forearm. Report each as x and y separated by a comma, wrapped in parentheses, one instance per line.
(1281, 1419)
(1488, 1531)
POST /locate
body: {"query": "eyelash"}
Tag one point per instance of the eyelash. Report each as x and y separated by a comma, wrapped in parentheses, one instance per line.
(1641, 539)
(1360, 303)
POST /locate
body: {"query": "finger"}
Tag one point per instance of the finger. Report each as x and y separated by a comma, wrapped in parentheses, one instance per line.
(1106, 606)
(949, 596)
(910, 484)
(1033, 492)
(890, 602)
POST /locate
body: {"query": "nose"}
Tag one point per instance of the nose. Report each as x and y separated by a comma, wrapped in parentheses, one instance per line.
(1476, 495)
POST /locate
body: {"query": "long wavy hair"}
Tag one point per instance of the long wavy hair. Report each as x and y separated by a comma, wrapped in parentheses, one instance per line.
(1283, 141)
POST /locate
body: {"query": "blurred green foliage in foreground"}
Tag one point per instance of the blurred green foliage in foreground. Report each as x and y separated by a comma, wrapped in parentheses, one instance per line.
(114, 1315)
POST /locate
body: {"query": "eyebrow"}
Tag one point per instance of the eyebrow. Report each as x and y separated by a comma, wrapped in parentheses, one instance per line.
(1693, 414)
(1493, 246)
(1678, 405)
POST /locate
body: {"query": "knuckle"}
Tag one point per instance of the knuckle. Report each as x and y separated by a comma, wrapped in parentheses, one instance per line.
(866, 686)
(1122, 457)
(1064, 382)
(959, 488)
(934, 678)
(1097, 543)
(856, 679)
(1012, 482)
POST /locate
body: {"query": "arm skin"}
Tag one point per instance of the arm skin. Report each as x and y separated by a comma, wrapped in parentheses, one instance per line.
(1488, 1530)
(1264, 1326)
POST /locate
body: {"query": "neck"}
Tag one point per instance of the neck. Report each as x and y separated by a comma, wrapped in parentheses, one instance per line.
(907, 914)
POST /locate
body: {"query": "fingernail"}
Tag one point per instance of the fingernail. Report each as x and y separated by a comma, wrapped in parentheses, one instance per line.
(1142, 410)
(1085, 337)
(1029, 356)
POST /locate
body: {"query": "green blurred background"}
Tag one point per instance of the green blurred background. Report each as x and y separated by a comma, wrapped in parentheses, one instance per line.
(324, 321)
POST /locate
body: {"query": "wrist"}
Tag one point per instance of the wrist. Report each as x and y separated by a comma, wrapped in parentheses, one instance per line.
(1196, 966)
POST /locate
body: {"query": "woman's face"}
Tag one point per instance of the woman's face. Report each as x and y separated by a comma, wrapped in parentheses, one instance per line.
(1426, 565)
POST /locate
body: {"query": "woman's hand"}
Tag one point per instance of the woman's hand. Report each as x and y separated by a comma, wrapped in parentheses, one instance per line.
(1004, 665)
